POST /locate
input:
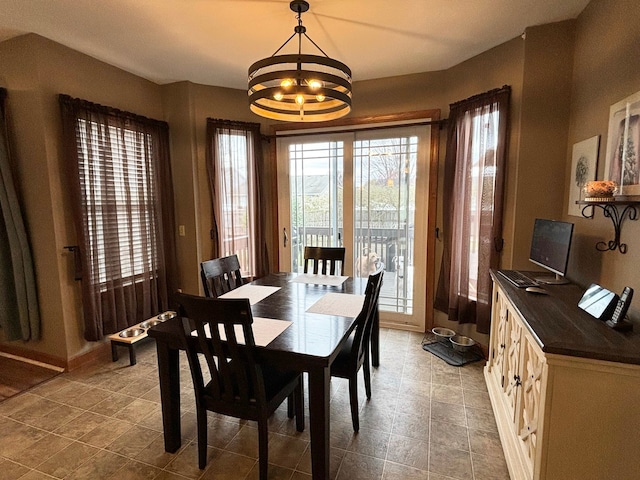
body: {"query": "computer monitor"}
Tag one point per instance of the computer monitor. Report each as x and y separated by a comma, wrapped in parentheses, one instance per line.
(550, 244)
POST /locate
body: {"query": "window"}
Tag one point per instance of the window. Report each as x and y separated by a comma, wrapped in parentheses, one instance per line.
(481, 189)
(233, 154)
(365, 190)
(118, 189)
(472, 206)
(120, 181)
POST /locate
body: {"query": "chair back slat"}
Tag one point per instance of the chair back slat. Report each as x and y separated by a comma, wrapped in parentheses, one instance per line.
(331, 257)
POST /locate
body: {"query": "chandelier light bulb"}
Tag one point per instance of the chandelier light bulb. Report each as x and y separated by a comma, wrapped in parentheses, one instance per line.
(314, 84)
(278, 96)
(300, 99)
(286, 83)
(320, 98)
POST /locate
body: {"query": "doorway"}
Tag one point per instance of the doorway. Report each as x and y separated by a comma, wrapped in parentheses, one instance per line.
(365, 190)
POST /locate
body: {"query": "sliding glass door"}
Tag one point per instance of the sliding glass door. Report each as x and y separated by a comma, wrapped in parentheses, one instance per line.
(360, 190)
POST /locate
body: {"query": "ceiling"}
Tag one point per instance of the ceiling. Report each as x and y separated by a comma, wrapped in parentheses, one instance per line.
(213, 42)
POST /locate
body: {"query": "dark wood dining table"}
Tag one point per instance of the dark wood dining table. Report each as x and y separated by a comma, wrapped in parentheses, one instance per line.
(310, 344)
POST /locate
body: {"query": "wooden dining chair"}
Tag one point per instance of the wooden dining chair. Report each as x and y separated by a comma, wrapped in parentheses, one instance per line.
(331, 257)
(220, 275)
(355, 352)
(239, 386)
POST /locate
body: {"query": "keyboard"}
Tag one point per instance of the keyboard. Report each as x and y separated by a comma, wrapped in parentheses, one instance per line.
(518, 279)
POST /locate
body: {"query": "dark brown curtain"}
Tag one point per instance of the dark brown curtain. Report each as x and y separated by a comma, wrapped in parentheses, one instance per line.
(19, 311)
(118, 166)
(472, 203)
(234, 165)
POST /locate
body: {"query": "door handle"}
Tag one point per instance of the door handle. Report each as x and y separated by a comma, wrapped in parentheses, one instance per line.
(285, 237)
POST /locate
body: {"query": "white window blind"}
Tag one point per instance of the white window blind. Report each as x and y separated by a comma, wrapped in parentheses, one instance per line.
(116, 180)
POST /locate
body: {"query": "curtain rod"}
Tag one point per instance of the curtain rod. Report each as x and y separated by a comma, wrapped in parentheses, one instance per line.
(440, 122)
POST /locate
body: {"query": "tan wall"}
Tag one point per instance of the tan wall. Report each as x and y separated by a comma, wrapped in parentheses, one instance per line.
(605, 70)
(187, 107)
(34, 71)
(544, 123)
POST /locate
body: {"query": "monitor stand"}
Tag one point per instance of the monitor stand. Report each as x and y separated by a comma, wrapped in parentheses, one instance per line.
(549, 280)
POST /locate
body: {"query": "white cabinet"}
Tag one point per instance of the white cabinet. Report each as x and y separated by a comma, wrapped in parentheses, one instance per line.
(516, 374)
(559, 416)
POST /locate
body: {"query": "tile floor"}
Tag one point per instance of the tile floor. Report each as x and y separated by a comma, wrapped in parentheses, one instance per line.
(426, 420)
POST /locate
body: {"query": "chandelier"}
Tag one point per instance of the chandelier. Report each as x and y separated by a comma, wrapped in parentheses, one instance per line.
(300, 87)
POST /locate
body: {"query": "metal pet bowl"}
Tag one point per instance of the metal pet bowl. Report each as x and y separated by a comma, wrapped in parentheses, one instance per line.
(165, 316)
(150, 323)
(443, 334)
(462, 343)
(132, 332)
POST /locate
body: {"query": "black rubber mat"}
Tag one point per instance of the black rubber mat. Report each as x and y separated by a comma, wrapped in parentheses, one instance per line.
(451, 356)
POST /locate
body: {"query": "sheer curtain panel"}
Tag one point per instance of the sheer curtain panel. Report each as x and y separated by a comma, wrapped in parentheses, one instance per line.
(119, 168)
(472, 205)
(19, 312)
(234, 164)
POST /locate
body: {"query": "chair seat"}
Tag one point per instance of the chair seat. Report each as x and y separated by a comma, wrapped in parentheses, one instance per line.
(275, 381)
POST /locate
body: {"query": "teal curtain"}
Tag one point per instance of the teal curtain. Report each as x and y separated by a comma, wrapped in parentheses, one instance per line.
(19, 312)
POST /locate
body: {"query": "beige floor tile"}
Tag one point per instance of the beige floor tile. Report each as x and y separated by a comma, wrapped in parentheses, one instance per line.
(39, 451)
(409, 452)
(370, 442)
(228, 466)
(447, 394)
(485, 443)
(360, 467)
(132, 470)
(489, 468)
(133, 441)
(102, 465)
(407, 425)
(394, 471)
(450, 462)
(451, 435)
(447, 412)
(106, 432)
(11, 470)
(65, 462)
(481, 419)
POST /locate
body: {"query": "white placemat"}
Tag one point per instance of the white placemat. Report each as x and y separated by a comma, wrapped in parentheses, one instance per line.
(265, 330)
(336, 280)
(254, 293)
(343, 304)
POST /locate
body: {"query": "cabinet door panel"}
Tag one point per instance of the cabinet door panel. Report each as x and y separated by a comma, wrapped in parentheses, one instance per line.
(533, 378)
(499, 344)
(513, 361)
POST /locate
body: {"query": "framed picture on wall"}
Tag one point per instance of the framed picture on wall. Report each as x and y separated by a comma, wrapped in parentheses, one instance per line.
(584, 165)
(623, 145)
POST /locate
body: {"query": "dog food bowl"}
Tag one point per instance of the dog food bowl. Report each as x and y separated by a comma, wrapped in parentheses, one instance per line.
(443, 334)
(166, 316)
(462, 343)
(132, 332)
(150, 323)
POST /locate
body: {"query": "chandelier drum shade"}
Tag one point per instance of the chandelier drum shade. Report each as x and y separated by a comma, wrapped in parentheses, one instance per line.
(300, 87)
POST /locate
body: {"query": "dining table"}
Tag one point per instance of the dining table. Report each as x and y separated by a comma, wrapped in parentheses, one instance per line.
(320, 310)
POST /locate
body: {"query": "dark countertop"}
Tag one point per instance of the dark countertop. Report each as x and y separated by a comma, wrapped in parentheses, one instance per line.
(561, 327)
